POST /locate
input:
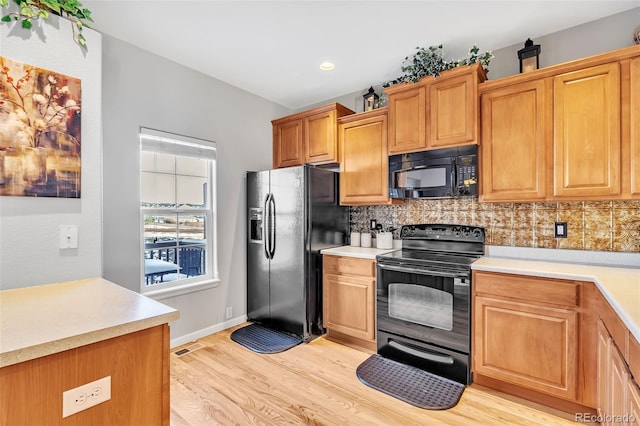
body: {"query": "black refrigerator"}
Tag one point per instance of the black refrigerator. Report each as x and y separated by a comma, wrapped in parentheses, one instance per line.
(292, 214)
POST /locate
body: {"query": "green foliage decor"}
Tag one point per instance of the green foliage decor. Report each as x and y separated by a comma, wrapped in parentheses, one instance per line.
(30, 10)
(430, 61)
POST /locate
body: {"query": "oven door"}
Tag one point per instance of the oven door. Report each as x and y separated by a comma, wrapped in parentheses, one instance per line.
(427, 305)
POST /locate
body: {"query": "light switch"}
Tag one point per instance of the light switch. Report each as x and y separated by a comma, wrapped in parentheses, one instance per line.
(68, 236)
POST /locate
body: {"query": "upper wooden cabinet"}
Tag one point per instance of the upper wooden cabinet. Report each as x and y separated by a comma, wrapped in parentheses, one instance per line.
(364, 165)
(516, 125)
(566, 132)
(407, 122)
(435, 112)
(307, 137)
(287, 143)
(586, 148)
(634, 127)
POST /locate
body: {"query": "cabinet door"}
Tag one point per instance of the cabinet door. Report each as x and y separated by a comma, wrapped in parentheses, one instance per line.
(604, 340)
(587, 132)
(320, 141)
(349, 305)
(516, 142)
(618, 378)
(635, 126)
(287, 144)
(364, 167)
(528, 345)
(453, 111)
(407, 120)
(633, 403)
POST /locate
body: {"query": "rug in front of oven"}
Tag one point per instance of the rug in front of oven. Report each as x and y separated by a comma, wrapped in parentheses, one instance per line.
(409, 384)
(264, 340)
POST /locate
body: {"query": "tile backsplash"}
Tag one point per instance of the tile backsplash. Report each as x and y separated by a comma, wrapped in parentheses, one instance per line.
(591, 225)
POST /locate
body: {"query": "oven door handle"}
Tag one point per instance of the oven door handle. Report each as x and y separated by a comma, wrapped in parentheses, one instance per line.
(423, 271)
(440, 359)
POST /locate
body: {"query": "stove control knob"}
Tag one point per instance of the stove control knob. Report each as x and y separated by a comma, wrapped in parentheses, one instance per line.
(466, 232)
(457, 231)
(477, 234)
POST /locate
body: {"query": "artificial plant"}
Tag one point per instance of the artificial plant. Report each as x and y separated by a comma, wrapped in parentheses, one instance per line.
(430, 61)
(30, 10)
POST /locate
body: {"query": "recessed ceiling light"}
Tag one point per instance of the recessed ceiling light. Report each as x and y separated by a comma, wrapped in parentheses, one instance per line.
(327, 66)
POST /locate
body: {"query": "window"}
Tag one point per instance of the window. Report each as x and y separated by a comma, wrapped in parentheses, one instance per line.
(177, 208)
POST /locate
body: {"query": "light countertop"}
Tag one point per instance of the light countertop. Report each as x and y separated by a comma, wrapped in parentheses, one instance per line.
(360, 252)
(47, 319)
(620, 285)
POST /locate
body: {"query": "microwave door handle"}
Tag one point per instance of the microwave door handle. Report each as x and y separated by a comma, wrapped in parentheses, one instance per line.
(454, 181)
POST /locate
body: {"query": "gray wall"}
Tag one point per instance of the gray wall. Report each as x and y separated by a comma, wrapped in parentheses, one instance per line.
(29, 227)
(142, 89)
(603, 35)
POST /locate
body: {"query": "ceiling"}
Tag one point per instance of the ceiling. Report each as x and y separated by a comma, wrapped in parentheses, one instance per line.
(274, 48)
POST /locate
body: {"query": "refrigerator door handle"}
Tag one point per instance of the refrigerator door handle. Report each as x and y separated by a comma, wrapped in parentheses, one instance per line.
(266, 225)
(272, 238)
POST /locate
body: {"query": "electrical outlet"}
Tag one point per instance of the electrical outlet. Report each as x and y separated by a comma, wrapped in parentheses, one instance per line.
(86, 396)
(229, 312)
(560, 230)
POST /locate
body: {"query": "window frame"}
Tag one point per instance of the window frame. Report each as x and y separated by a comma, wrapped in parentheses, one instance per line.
(160, 142)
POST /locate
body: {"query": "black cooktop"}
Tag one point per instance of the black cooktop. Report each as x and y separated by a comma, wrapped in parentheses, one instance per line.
(420, 256)
(438, 245)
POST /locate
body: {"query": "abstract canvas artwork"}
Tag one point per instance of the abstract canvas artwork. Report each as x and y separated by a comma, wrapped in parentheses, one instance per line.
(40, 115)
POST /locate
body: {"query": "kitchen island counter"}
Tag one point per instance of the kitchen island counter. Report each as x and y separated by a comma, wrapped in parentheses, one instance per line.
(43, 320)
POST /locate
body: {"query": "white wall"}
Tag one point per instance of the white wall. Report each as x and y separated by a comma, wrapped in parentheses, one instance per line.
(29, 227)
(142, 89)
(603, 35)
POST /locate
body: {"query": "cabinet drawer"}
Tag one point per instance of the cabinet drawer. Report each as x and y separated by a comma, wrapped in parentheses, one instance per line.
(531, 289)
(349, 265)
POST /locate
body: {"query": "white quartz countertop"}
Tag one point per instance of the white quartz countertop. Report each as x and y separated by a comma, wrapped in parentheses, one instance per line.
(620, 285)
(47, 319)
(361, 252)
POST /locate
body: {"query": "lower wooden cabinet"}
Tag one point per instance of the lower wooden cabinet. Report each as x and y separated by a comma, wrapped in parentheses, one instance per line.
(618, 393)
(633, 403)
(349, 297)
(138, 364)
(556, 342)
(527, 344)
(525, 332)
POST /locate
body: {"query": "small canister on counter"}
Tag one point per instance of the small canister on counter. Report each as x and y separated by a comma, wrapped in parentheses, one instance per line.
(365, 239)
(355, 239)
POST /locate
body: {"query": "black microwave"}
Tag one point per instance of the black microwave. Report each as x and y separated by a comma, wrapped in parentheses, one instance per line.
(438, 173)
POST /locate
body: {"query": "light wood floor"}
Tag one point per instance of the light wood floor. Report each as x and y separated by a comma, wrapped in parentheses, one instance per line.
(223, 383)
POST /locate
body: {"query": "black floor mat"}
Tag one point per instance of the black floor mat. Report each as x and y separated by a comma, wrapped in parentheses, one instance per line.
(264, 340)
(409, 384)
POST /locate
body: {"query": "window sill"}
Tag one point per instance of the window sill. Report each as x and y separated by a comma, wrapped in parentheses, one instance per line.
(166, 293)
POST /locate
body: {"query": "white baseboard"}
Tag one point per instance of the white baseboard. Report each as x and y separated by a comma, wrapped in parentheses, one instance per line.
(206, 331)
